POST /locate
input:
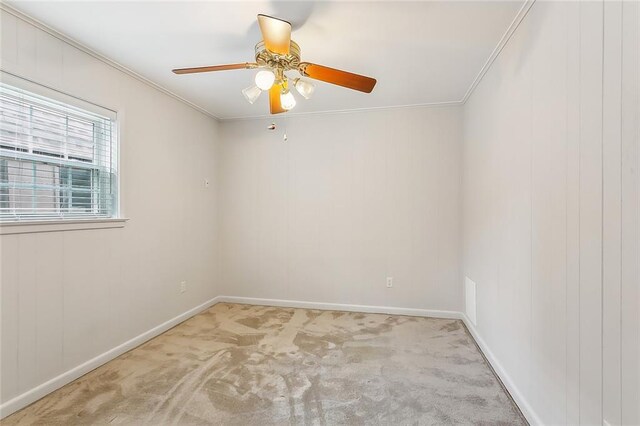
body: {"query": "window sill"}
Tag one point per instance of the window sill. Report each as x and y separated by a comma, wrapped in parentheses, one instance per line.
(35, 226)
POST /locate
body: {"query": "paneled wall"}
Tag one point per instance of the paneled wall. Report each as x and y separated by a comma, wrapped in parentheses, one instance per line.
(70, 296)
(626, 302)
(551, 212)
(347, 201)
(533, 210)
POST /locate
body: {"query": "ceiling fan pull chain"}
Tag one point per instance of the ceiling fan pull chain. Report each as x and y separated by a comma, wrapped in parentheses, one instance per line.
(284, 122)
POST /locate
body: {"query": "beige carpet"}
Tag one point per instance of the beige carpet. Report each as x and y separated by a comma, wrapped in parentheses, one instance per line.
(257, 365)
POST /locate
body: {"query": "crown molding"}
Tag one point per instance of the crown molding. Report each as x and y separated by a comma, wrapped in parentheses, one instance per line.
(517, 20)
(515, 23)
(82, 47)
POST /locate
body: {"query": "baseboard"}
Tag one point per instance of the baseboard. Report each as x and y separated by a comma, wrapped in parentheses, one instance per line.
(341, 307)
(517, 396)
(39, 391)
(45, 388)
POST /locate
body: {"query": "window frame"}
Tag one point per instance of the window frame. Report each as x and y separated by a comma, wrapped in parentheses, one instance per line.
(30, 225)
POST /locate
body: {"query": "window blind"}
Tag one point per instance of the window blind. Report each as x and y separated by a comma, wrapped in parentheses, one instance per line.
(56, 161)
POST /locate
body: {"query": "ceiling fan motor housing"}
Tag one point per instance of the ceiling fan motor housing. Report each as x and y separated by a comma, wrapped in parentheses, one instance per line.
(278, 63)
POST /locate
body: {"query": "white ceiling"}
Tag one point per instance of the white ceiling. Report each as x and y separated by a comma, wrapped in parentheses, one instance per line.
(420, 52)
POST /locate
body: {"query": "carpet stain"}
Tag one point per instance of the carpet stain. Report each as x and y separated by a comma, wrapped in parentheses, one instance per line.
(244, 365)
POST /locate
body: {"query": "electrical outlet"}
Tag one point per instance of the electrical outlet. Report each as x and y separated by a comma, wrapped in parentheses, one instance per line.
(389, 282)
(183, 286)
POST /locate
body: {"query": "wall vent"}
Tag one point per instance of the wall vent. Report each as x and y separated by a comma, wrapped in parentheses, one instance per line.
(470, 299)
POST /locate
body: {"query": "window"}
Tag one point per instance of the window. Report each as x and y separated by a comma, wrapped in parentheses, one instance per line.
(56, 161)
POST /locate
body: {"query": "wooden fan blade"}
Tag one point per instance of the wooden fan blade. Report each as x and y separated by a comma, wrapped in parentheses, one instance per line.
(242, 66)
(341, 78)
(274, 99)
(276, 34)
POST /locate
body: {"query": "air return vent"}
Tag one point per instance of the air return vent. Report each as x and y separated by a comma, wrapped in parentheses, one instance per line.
(470, 299)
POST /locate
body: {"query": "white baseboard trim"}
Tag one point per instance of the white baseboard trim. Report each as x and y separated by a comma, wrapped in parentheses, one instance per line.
(49, 386)
(341, 307)
(517, 396)
(43, 389)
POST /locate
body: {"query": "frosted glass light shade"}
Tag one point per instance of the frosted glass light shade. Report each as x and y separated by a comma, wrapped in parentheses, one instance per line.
(264, 79)
(305, 88)
(287, 100)
(251, 93)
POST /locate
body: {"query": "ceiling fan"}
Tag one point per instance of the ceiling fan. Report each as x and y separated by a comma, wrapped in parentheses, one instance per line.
(275, 55)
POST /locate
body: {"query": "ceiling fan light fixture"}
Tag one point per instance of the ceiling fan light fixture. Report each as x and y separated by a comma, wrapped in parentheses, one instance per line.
(265, 79)
(275, 56)
(251, 93)
(287, 100)
(305, 88)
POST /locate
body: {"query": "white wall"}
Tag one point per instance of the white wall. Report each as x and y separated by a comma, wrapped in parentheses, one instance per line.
(550, 193)
(532, 210)
(348, 200)
(70, 296)
(626, 301)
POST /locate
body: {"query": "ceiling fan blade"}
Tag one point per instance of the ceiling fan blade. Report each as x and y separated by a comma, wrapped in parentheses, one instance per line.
(245, 65)
(341, 78)
(276, 34)
(274, 99)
